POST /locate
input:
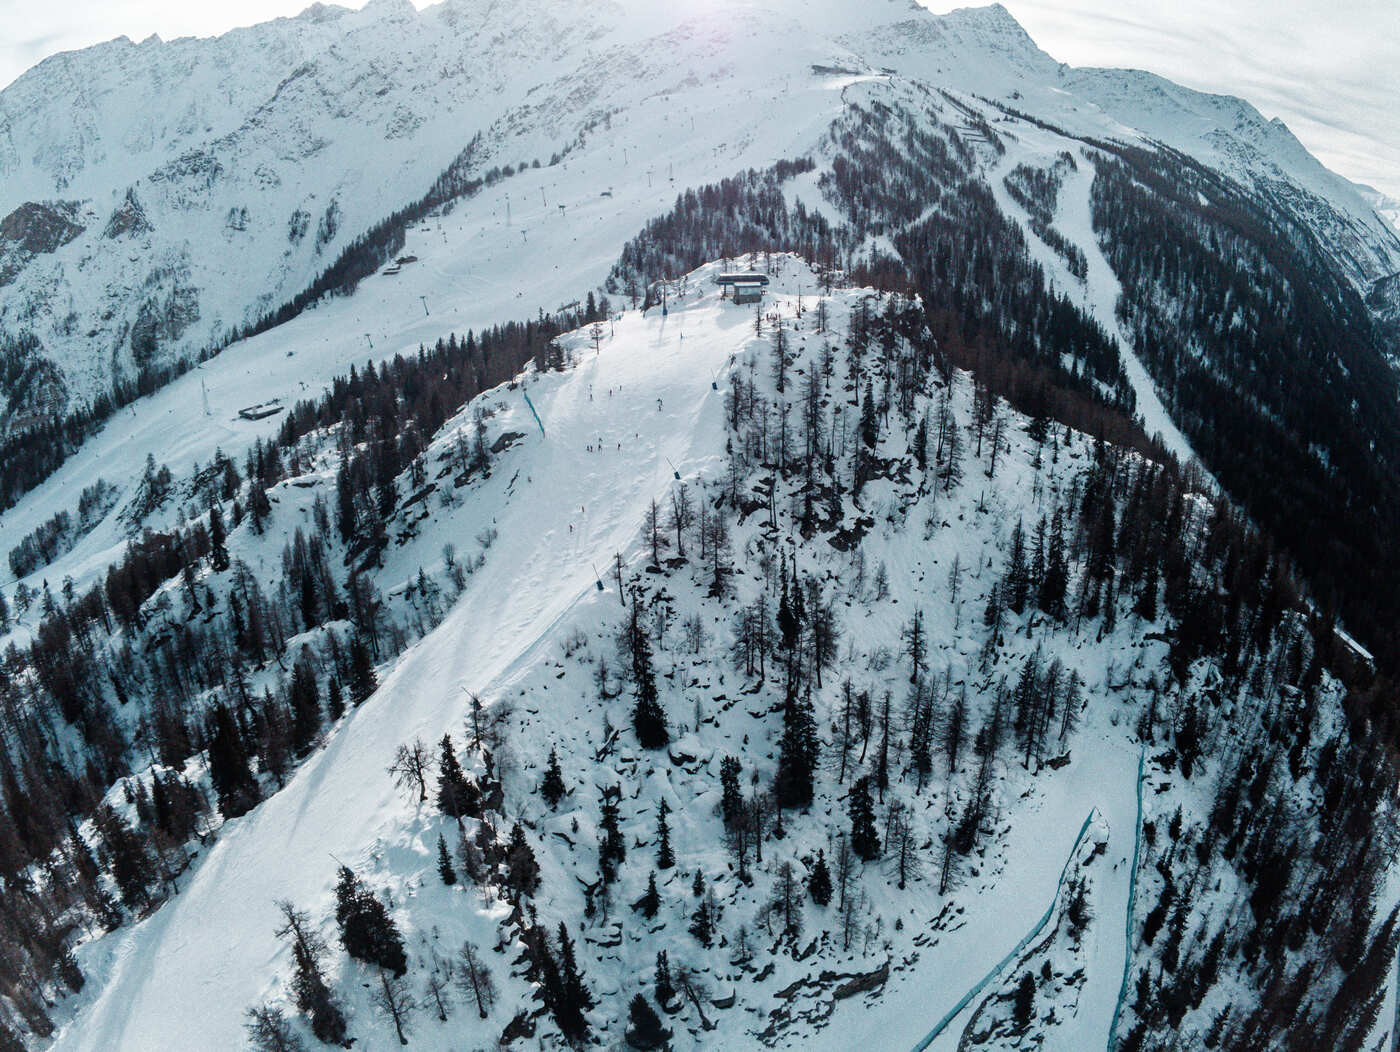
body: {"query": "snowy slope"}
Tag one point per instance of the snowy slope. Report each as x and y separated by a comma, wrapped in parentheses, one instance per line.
(533, 580)
(526, 632)
(473, 270)
(366, 108)
(277, 145)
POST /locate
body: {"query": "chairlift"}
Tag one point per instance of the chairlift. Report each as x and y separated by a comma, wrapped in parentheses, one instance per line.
(598, 576)
(674, 472)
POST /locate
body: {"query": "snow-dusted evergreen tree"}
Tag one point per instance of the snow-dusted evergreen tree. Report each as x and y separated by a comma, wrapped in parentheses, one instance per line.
(648, 717)
(446, 870)
(865, 840)
(367, 931)
(645, 1031)
(819, 880)
(552, 788)
(665, 855)
(457, 796)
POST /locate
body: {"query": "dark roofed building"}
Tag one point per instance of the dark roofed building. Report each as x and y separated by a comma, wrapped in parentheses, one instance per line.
(746, 287)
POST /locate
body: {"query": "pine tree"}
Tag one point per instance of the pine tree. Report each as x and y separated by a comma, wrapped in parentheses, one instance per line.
(612, 848)
(305, 704)
(646, 1032)
(702, 921)
(797, 756)
(665, 857)
(1023, 1005)
(218, 549)
(130, 859)
(522, 870)
(362, 679)
(789, 624)
(665, 988)
(552, 788)
(819, 883)
(731, 803)
(574, 1000)
(1017, 581)
(869, 422)
(456, 795)
(865, 841)
(367, 931)
(229, 770)
(259, 507)
(1055, 584)
(335, 700)
(1146, 605)
(650, 902)
(445, 867)
(952, 472)
(648, 717)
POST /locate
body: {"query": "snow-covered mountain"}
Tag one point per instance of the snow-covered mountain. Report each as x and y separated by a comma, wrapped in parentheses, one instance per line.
(159, 197)
(1028, 500)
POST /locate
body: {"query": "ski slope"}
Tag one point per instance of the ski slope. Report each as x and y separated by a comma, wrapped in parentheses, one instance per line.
(211, 944)
(1098, 293)
(531, 243)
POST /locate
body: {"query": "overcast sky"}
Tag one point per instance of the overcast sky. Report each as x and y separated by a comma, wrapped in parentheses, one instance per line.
(1329, 68)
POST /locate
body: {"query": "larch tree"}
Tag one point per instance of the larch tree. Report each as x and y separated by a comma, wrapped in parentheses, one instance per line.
(474, 979)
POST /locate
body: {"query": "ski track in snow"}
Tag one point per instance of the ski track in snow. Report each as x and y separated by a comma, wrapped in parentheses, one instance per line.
(997, 915)
(533, 576)
(1098, 296)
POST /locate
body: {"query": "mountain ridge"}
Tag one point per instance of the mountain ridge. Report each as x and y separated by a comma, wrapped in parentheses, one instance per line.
(291, 128)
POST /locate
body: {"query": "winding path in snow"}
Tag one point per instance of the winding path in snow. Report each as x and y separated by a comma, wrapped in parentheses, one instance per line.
(1132, 899)
(1000, 966)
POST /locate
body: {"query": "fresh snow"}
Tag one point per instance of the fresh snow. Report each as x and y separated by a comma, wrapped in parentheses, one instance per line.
(562, 514)
(267, 133)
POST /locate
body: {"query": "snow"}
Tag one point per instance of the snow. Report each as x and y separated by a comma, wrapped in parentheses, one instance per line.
(526, 634)
(1100, 779)
(362, 110)
(473, 270)
(1097, 295)
(560, 511)
(669, 99)
(537, 573)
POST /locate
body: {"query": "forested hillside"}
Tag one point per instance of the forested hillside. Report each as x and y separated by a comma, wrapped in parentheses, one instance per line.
(986, 640)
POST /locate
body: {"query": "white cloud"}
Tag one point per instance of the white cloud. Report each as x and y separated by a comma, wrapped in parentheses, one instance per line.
(1330, 71)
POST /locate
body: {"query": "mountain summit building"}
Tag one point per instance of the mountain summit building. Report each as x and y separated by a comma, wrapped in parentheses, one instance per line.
(746, 287)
